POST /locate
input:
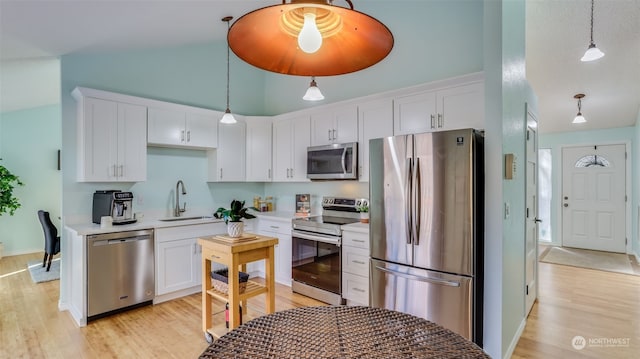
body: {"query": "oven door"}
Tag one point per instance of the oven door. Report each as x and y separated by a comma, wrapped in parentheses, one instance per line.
(316, 260)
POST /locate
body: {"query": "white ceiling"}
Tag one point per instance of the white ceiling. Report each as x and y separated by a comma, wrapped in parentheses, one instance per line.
(557, 36)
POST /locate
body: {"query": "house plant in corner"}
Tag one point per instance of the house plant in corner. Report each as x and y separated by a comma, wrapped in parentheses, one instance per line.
(364, 213)
(8, 201)
(233, 217)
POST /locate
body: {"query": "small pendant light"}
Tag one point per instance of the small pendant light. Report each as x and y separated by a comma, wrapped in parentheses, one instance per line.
(579, 118)
(227, 117)
(592, 53)
(313, 92)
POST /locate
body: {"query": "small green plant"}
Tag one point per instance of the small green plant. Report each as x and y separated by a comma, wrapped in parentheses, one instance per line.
(363, 208)
(8, 181)
(236, 212)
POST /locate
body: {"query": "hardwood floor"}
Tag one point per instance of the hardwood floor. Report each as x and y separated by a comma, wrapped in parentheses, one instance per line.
(572, 302)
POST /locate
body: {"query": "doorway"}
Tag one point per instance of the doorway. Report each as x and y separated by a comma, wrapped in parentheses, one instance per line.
(531, 213)
(594, 197)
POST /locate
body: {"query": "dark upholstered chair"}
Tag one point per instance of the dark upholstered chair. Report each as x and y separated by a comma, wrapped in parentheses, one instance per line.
(51, 239)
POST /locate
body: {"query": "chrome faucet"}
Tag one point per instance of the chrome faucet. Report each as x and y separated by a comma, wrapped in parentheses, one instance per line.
(177, 211)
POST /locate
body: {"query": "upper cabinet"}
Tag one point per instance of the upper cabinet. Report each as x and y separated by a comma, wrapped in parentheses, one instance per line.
(112, 145)
(448, 108)
(334, 125)
(227, 163)
(259, 149)
(375, 120)
(179, 127)
(290, 142)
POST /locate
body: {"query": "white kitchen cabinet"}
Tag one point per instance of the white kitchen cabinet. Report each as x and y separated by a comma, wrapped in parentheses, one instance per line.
(447, 108)
(334, 125)
(112, 144)
(228, 162)
(375, 120)
(281, 230)
(291, 137)
(177, 127)
(259, 149)
(178, 259)
(355, 266)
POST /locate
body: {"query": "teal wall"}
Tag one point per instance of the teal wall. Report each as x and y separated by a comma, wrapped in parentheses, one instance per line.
(636, 189)
(555, 142)
(29, 143)
(433, 40)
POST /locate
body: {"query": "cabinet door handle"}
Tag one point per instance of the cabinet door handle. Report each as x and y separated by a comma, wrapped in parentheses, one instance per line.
(121, 170)
(358, 240)
(274, 227)
(334, 134)
(440, 120)
(433, 121)
(115, 171)
(292, 173)
(329, 135)
(189, 136)
(182, 136)
(221, 173)
(357, 262)
(269, 173)
(359, 290)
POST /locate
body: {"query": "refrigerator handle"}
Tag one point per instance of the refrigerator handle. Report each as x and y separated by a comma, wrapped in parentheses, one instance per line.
(448, 283)
(417, 195)
(408, 215)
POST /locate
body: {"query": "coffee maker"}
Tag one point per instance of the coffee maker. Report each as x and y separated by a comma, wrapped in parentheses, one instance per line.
(114, 203)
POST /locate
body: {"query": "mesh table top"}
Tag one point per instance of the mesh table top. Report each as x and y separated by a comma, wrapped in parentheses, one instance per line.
(341, 332)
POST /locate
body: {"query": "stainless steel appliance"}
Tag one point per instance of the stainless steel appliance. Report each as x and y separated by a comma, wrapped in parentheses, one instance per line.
(336, 161)
(114, 203)
(316, 240)
(426, 227)
(120, 271)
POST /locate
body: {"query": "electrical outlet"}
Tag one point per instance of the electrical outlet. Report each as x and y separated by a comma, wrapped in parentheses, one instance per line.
(507, 210)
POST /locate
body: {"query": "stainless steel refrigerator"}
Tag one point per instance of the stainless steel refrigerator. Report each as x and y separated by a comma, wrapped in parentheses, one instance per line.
(426, 227)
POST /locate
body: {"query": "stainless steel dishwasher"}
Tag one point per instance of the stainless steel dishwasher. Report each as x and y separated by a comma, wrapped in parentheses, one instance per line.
(120, 271)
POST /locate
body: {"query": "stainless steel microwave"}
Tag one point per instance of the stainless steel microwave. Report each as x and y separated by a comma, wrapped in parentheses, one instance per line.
(337, 161)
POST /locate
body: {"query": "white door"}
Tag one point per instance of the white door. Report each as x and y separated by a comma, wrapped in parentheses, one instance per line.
(594, 198)
(531, 213)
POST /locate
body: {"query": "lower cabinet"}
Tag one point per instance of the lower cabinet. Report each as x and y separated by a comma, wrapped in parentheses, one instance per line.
(178, 259)
(280, 229)
(355, 267)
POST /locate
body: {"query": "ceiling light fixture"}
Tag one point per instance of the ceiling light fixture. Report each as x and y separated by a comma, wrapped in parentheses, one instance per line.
(579, 118)
(310, 38)
(227, 117)
(313, 92)
(592, 53)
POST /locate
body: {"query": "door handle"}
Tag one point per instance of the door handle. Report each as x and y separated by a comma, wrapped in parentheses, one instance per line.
(433, 121)
(537, 220)
(440, 121)
(189, 136)
(448, 283)
(408, 202)
(182, 136)
(566, 205)
(329, 135)
(334, 134)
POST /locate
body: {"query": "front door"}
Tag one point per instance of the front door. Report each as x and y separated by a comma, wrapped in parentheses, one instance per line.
(531, 220)
(594, 197)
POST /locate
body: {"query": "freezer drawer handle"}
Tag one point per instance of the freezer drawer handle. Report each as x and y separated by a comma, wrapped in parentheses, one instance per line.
(422, 279)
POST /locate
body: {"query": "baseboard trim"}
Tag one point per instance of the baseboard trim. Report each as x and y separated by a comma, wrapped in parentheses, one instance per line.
(178, 294)
(516, 338)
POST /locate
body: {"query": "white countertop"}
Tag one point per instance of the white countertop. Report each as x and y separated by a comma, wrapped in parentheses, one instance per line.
(92, 228)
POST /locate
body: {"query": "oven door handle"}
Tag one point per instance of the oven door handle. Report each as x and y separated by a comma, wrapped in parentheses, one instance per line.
(316, 237)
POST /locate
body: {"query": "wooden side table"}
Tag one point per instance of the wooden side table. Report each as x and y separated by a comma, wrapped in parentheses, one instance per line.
(235, 255)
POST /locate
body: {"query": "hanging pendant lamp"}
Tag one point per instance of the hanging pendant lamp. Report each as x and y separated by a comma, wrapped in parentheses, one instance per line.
(313, 92)
(592, 53)
(310, 38)
(228, 116)
(579, 118)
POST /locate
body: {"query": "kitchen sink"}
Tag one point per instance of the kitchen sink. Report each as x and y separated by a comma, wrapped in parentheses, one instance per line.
(173, 219)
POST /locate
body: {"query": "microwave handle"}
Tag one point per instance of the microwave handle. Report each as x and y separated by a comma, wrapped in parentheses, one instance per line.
(344, 159)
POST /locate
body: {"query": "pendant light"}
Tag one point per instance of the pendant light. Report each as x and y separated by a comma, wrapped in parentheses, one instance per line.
(579, 118)
(228, 117)
(313, 92)
(310, 38)
(592, 53)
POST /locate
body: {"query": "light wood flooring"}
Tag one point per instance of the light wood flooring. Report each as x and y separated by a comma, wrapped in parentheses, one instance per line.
(572, 302)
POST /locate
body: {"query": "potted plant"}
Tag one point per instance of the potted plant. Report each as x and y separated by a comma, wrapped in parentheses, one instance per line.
(233, 217)
(8, 202)
(364, 213)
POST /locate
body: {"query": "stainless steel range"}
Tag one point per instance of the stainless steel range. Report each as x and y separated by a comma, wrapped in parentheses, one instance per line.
(316, 249)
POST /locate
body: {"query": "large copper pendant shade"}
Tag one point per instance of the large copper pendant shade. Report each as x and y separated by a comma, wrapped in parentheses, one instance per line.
(351, 41)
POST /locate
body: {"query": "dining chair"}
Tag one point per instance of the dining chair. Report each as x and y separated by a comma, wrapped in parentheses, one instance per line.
(51, 238)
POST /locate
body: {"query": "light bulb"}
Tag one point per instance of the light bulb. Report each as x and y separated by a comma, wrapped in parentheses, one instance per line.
(309, 38)
(579, 119)
(592, 53)
(228, 117)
